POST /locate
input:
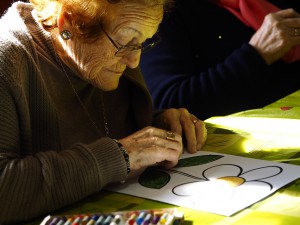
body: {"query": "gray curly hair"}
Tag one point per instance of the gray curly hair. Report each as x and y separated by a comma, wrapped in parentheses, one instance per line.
(86, 15)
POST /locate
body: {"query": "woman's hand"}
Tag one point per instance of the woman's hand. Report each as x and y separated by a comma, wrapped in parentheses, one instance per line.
(151, 146)
(278, 34)
(181, 122)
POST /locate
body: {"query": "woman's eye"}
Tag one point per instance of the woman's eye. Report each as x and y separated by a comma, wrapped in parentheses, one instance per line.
(133, 41)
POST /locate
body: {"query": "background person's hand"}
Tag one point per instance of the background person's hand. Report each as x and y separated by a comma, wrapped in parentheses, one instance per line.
(278, 34)
(186, 124)
(151, 146)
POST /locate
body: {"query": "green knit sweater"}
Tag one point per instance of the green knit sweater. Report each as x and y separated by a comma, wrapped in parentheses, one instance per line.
(51, 154)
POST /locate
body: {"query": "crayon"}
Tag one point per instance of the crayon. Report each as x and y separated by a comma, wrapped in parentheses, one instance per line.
(170, 219)
(140, 218)
(179, 217)
(54, 221)
(46, 220)
(77, 220)
(163, 219)
(131, 219)
(147, 219)
(100, 220)
(93, 220)
(155, 219)
(116, 220)
(85, 220)
(107, 220)
(69, 221)
(61, 221)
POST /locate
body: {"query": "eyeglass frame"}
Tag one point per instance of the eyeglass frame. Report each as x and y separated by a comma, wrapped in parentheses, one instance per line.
(130, 48)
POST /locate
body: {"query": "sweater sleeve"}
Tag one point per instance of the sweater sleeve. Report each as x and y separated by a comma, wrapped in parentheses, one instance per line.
(33, 183)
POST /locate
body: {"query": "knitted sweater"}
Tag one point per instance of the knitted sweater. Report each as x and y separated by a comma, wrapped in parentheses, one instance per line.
(205, 64)
(51, 153)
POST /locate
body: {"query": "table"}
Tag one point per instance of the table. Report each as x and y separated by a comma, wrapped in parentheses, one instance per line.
(281, 144)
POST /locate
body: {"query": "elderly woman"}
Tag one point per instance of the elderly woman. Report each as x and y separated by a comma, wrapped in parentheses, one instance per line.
(75, 114)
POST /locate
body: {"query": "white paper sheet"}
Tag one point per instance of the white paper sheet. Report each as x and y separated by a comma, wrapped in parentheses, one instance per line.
(212, 182)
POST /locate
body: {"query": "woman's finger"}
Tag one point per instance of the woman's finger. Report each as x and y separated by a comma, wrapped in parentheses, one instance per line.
(201, 133)
(189, 131)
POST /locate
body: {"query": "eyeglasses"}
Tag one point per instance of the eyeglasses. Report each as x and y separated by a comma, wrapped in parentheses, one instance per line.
(123, 50)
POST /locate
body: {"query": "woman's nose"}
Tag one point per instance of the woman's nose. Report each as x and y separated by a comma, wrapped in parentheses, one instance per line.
(132, 60)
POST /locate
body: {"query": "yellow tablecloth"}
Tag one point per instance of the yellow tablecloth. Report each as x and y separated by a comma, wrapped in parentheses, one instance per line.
(269, 133)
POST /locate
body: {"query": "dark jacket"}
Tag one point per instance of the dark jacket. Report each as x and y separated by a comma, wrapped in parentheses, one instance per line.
(205, 64)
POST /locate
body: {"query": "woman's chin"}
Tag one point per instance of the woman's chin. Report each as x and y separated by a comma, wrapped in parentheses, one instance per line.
(106, 86)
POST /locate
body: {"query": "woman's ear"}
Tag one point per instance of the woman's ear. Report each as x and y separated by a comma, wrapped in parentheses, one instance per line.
(64, 26)
(64, 22)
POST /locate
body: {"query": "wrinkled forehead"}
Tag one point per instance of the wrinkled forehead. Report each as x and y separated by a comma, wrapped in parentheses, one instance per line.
(134, 16)
(148, 3)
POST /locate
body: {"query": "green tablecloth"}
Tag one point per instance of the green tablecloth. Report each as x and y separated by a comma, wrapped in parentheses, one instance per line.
(270, 133)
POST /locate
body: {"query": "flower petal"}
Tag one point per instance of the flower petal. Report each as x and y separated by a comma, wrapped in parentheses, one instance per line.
(252, 190)
(191, 189)
(261, 173)
(222, 170)
(205, 191)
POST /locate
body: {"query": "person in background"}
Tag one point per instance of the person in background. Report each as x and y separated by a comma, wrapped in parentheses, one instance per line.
(75, 113)
(4, 5)
(218, 57)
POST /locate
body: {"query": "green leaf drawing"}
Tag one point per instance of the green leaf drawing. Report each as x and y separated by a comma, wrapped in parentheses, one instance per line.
(154, 178)
(197, 160)
(223, 131)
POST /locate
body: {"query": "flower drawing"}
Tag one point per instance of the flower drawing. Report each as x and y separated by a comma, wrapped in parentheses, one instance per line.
(225, 181)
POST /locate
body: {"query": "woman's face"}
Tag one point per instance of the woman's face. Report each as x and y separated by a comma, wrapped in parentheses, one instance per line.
(128, 24)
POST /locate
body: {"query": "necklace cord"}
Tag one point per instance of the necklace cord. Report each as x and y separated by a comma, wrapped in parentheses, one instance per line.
(106, 128)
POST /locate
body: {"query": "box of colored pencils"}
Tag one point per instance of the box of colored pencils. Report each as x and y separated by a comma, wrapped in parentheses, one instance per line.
(165, 216)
